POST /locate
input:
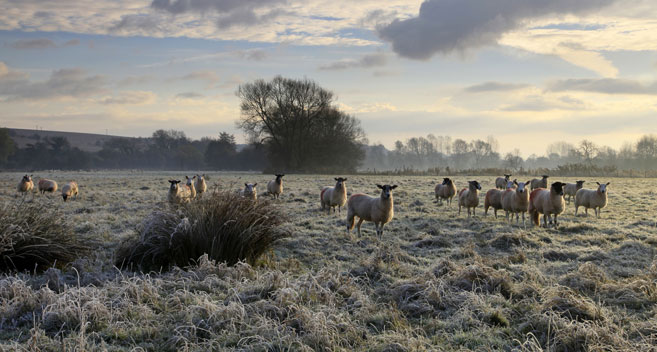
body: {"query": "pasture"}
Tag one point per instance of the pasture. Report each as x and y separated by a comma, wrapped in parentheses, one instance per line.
(434, 281)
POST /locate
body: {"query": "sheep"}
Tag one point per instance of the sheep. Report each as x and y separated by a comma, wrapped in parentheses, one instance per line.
(177, 194)
(469, 197)
(445, 190)
(589, 198)
(46, 185)
(501, 182)
(250, 191)
(200, 185)
(516, 201)
(493, 199)
(70, 190)
(190, 186)
(378, 210)
(540, 183)
(331, 197)
(547, 202)
(275, 187)
(571, 189)
(26, 185)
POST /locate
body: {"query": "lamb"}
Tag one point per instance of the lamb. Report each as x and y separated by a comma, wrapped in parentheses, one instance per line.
(540, 183)
(515, 201)
(26, 185)
(275, 187)
(177, 194)
(378, 210)
(250, 191)
(469, 197)
(190, 186)
(493, 199)
(501, 182)
(571, 189)
(331, 197)
(200, 185)
(589, 198)
(547, 202)
(46, 185)
(445, 190)
(70, 190)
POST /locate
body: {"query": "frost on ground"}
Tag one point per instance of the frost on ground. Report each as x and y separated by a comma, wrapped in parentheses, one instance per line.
(435, 280)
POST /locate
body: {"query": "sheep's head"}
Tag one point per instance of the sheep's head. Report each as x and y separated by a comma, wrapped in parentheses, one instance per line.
(190, 180)
(521, 186)
(602, 187)
(446, 181)
(27, 178)
(474, 185)
(507, 176)
(386, 190)
(174, 185)
(249, 188)
(545, 177)
(580, 183)
(340, 181)
(557, 188)
(511, 184)
(279, 177)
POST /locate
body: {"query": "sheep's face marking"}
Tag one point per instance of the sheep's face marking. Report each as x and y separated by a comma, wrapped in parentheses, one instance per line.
(27, 178)
(190, 180)
(386, 190)
(340, 182)
(474, 185)
(522, 186)
(545, 177)
(446, 181)
(174, 185)
(507, 176)
(279, 178)
(558, 188)
(602, 187)
(580, 184)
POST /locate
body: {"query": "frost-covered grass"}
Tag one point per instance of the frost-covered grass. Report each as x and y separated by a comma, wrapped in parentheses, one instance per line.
(435, 280)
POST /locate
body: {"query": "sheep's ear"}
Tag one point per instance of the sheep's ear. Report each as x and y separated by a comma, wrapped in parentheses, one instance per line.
(246, 184)
(598, 183)
(515, 182)
(379, 186)
(335, 178)
(528, 182)
(255, 184)
(344, 179)
(393, 187)
(608, 183)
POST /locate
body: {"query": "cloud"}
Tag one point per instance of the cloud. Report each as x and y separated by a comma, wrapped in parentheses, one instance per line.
(189, 95)
(540, 103)
(136, 80)
(40, 43)
(210, 77)
(72, 42)
(143, 23)
(494, 87)
(252, 54)
(366, 61)
(447, 26)
(604, 85)
(62, 83)
(130, 98)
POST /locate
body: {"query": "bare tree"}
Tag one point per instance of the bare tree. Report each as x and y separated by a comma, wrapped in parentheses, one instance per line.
(588, 151)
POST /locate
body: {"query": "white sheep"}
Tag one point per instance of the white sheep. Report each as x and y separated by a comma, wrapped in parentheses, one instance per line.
(275, 187)
(540, 182)
(493, 199)
(469, 197)
(571, 189)
(501, 182)
(177, 194)
(378, 210)
(547, 202)
(70, 190)
(592, 198)
(190, 186)
(200, 185)
(26, 185)
(249, 191)
(331, 197)
(516, 201)
(46, 185)
(445, 190)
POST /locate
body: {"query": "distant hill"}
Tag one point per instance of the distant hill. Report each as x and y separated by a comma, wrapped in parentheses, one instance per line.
(88, 142)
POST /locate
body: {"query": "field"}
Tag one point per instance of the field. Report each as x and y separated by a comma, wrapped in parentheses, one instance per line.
(435, 281)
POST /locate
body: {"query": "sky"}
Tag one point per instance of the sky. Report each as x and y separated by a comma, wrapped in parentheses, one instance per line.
(528, 72)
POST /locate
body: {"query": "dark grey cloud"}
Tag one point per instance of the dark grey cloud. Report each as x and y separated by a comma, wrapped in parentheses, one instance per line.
(446, 26)
(189, 95)
(146, 23)
(70, 82)
(377, 59)
(603, 85)
(494, 87)
(231, 12)
(40, 43)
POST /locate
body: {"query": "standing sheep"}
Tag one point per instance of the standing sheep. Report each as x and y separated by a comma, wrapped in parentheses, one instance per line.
(540, 183)
(177, 194)
(378, 210)
(331, 197)
(445, 190)
(547, 202)
(493, 199)
(469, 197)
(250, 191)
(275, 187)
(200, 185)
(515, 201)
(501, 182)
(26, 185)
(571, 189)
(70, 190)
(46, 185)
(589, 198)
(190, 186)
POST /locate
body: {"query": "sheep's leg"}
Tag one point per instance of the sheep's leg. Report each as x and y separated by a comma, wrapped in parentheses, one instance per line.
(556, 222)
(360, 222)
(381, 230)
(459, 208)
(495, 211)
(576, 208)
(350, 222)
(586, 210)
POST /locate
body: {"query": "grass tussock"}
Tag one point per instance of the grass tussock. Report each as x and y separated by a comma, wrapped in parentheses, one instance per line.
(225, 226)
(34, 236)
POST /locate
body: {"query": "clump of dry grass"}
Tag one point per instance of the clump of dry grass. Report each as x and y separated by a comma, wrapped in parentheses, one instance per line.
(34, 236)
(225, 226)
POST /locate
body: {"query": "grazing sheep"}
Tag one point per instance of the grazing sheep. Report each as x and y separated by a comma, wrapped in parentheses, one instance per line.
(177, 194)
(590, 198)
(571, 189)
(493, 199)
(378, 210)
(540, 183)
(469, 197)
(547, 202)
(445, 190)
(501, 182)
(250, 191)
(190, 186)
(26, 185)
(200, 185)
(70, 190)
(46, 185)
(515, 201)
(331, 197)
(275, 187)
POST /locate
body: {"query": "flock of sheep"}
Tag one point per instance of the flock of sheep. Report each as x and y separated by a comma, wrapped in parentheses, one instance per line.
(26, 185)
